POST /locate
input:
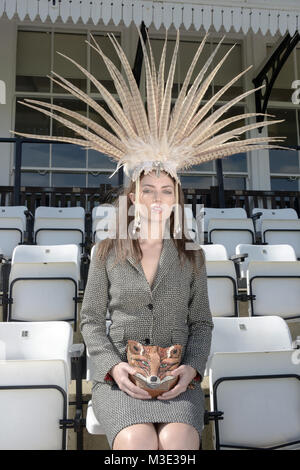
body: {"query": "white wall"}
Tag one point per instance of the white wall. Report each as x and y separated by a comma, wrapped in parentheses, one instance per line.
(8, 38)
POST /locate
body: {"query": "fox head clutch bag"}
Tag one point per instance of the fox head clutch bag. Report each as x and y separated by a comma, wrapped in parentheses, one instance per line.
(153, 365)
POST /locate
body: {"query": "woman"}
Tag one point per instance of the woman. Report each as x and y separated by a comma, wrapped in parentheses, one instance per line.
(160, 301)
(155, 288)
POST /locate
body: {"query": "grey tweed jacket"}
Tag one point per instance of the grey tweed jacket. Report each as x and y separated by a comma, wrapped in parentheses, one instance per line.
(174, 310)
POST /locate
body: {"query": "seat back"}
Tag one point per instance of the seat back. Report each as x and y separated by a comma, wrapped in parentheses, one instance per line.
(264, 253)
(275, 214)
(59, 225)
(221, 278)
(34, 378)
(231, 232)
(43, 283)
(222, 213)
(12, 228)
(215, 252)
(282, 232)
(259, 394)
(276, 286)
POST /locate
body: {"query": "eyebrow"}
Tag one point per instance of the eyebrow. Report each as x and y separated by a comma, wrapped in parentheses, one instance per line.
(152, 186)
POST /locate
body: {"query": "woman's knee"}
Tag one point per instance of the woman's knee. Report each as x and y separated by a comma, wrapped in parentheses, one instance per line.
(175, 436)
(137, 437)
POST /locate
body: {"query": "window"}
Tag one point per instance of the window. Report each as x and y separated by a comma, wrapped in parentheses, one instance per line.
(46, 164)
(284, 164)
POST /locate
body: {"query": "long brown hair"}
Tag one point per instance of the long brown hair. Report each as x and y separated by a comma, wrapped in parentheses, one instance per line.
(130, 245)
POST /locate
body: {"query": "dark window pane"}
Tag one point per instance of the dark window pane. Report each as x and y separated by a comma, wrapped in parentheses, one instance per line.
(79, 107)
(35, 155)
(68, 180)
(287, 128)
(284, 184)
(192, 181)
(29, 178)
(98, 67)
(234, 183)
(68, 156)
(282, 89)
(100, 160)
(94, 181)
(73, 46)
(33, 61)
(31, 121)
(284, 161)
(236, 162)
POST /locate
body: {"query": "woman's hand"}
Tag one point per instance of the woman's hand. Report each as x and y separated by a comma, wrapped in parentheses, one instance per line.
(120, 375)
(186, 375)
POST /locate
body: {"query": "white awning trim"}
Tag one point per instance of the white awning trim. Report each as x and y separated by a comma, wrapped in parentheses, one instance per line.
(180, 14)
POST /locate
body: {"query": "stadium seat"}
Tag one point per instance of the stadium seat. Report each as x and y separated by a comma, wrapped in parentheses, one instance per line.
(258, 394)
(249, 334)
(272, 214)
(59, 226)
(222, 288)
(264, 253)
(13, 228)
(35, 373)
(215, 252)
(273, 288)
(43, 283)
(231, 232)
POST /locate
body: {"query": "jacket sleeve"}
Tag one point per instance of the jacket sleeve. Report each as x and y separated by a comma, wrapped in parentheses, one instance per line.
(200, 323)
(102, 352)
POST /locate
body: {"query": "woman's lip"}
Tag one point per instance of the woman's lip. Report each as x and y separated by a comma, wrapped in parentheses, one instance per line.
(155, 208)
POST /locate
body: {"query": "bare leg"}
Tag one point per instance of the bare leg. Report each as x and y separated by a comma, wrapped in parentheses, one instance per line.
(177, 436)
(137, 437)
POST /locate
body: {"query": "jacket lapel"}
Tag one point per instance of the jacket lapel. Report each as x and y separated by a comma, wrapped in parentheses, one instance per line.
(168, 256)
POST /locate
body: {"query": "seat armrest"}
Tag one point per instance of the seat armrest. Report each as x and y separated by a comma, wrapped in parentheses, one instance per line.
(239, 258)
(77, 350)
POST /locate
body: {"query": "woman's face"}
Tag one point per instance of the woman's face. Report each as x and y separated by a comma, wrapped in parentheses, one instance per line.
(157, 196)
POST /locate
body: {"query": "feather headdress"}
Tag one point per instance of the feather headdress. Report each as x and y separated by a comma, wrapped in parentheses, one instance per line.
(156, 138)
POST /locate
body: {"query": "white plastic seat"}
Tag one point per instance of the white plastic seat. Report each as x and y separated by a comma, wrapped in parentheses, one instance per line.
(222, 288)
(103, 222)
(215, 252)
(281, 232)
(44, 282)
(12, 228)
(221, 213)
(264, 253)
(249, 334)
(59, 226)
(259, 395)
(231, 232)
(276, 286)
(35, 374)
(275, 214)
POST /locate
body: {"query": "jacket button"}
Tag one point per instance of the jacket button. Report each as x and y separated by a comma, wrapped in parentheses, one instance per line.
(150, 306)
(147, 341)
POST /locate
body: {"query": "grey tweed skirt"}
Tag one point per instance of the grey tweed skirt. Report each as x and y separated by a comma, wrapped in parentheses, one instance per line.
(116, 410)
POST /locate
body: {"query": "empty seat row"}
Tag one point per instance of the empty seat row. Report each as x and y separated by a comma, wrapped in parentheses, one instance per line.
(231, 227)
(44, 284)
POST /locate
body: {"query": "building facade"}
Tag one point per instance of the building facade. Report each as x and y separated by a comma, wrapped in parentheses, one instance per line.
(32, 32)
